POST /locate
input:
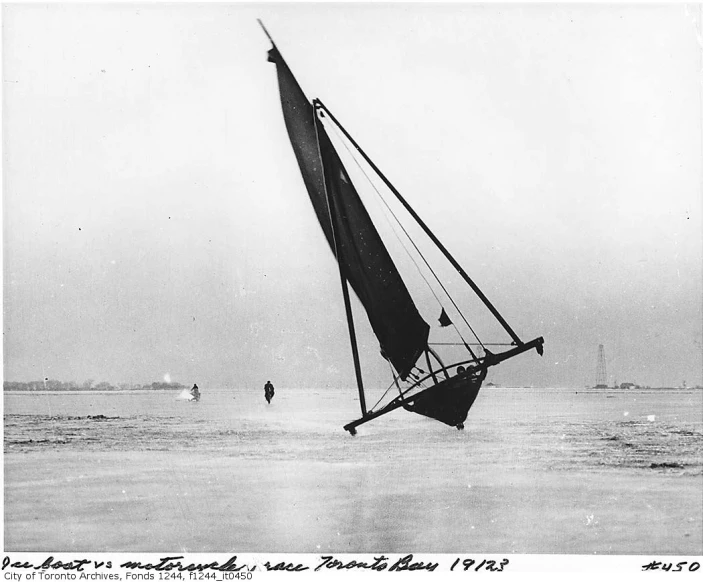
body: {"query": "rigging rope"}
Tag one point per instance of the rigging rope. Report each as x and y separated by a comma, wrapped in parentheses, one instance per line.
(416, 249)
(387, 389)
(418, 384)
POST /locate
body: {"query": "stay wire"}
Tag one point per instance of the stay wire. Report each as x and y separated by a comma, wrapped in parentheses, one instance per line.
(419, 252)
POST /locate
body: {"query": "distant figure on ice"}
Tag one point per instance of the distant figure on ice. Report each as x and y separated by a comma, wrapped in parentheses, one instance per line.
(268, 391)
(195, 391)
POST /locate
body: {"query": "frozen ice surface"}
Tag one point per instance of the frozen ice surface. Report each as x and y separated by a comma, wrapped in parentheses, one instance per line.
(535, 471)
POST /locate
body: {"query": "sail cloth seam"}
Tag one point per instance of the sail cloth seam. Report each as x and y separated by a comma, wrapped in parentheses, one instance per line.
(419, 252)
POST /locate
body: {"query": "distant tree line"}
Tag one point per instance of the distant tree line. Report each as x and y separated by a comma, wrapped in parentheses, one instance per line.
(56, 385)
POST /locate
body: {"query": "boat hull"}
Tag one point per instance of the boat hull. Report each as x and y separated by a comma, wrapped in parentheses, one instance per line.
(448, 401)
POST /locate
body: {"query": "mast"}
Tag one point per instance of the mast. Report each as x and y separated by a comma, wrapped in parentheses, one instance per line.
(319, 104)
(354, 345)
(345, 286)
(266, 32)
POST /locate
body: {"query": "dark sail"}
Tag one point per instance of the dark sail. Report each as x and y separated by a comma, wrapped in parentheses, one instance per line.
(364, 260)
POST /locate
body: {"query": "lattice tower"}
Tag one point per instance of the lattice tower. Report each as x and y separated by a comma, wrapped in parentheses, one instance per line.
(601, 377)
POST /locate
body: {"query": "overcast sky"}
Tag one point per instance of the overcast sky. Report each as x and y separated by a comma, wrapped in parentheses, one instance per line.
(155, 222)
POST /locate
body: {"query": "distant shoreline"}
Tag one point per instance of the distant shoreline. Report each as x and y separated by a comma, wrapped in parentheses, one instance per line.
(89, 386)
(118, 391)
(645, 389)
